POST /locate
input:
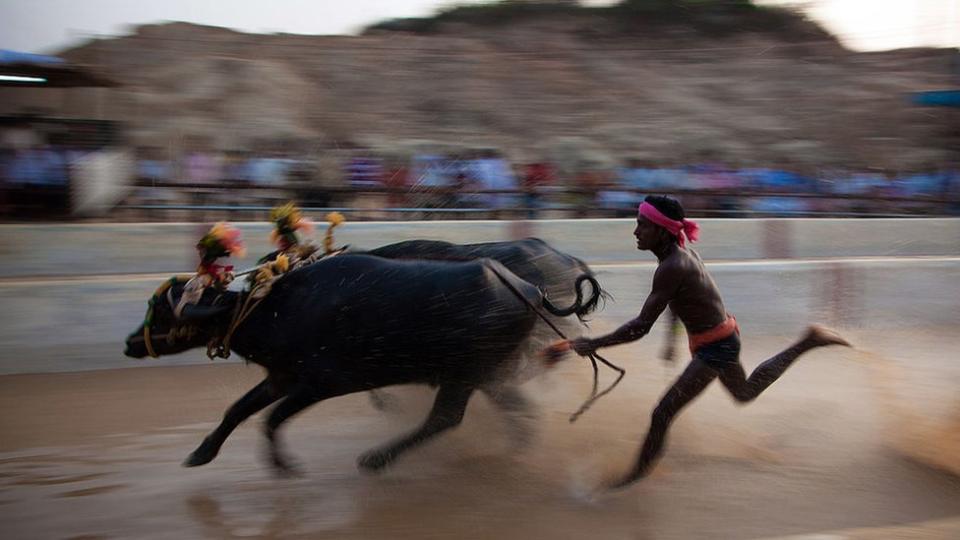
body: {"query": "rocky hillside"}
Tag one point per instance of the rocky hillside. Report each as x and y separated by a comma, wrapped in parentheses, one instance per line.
(749, 86)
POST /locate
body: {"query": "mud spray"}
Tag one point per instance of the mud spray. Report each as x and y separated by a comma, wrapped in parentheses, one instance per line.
(928, 440)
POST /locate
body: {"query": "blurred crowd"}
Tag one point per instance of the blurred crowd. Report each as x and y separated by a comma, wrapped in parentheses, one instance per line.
(772, 189)
(36, 174)
(353, 176)
(39, 161)
(36, 178)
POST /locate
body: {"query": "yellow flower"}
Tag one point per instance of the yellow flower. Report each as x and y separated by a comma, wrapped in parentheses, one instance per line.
(335, 218)
(281, 264)
(264, 274)
(228, 237)
(219, 229)
(287, 212)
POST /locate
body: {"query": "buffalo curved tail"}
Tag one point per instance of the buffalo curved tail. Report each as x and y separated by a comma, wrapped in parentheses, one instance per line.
(579, 308)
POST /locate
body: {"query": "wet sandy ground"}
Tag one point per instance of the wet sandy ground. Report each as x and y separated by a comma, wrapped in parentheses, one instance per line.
(831, 449)
(849, 444)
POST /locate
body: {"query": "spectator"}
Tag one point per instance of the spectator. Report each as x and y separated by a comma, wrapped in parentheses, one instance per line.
(6, 186)
(237, 167)
(152, 167)
(430, 170)
(328, 173)
(364, 170)
(397, 177)
(466, 184)
(634, 177)
(268, 169)
(535, 177)
(492, 172)
(589, 182)
(40, 177)
(202, 167)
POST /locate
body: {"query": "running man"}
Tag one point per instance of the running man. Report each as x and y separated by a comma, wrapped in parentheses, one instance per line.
(682, 283)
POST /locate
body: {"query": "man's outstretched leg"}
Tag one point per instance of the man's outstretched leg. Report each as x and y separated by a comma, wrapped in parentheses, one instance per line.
(746, 389)
(691, 383)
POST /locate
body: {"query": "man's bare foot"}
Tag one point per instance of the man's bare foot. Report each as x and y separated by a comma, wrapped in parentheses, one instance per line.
(821, 336)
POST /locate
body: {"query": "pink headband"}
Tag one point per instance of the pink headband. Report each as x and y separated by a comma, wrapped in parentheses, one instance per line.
(683, 228)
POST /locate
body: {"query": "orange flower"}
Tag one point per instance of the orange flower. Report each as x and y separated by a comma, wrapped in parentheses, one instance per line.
(230, 238)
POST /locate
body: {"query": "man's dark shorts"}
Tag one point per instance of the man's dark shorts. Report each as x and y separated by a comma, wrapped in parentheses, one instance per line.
(720, 354)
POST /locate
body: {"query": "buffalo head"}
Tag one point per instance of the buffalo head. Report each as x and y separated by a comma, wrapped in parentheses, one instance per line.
(168, 330)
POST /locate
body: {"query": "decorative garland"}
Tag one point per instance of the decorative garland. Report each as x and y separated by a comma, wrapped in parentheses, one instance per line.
(287, 220)
(223, 240)
(335, 219)
(293, 253)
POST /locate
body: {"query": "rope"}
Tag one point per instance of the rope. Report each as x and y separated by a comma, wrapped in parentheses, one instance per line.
(594, 356)
(594, 396)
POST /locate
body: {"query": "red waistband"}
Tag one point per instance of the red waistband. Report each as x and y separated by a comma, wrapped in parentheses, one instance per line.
(721, 331)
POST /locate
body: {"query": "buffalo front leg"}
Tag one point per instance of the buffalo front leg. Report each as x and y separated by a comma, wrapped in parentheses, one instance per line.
(251, 403)
(447, 412)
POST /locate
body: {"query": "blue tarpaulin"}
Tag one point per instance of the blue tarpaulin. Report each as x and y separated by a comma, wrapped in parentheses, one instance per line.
(17, 57)
(28, 70)
(939, 98)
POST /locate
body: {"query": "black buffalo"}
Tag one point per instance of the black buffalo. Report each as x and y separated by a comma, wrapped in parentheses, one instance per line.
(355, 322)
(559, 275)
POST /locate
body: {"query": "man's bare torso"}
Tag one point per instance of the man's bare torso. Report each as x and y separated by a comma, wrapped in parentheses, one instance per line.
(696, 299)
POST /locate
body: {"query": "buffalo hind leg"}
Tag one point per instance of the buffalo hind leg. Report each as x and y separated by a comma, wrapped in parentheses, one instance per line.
(447, 412)
(297, 400)
(251, 403)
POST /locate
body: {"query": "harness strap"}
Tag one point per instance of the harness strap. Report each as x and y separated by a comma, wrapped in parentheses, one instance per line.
(219, 347)
(148, 343)
(148, 320)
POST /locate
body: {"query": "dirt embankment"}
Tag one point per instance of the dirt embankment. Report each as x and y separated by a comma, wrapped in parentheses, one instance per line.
(756, 91)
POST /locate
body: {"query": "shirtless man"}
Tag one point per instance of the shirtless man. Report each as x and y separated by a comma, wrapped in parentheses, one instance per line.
(682, 283)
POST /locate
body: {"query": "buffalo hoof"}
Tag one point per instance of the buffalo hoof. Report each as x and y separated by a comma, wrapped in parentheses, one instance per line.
(373, 461)
(200, 456)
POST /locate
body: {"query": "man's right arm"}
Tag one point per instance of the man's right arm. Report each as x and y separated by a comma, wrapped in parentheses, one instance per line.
(640, 326)
(665, 285)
